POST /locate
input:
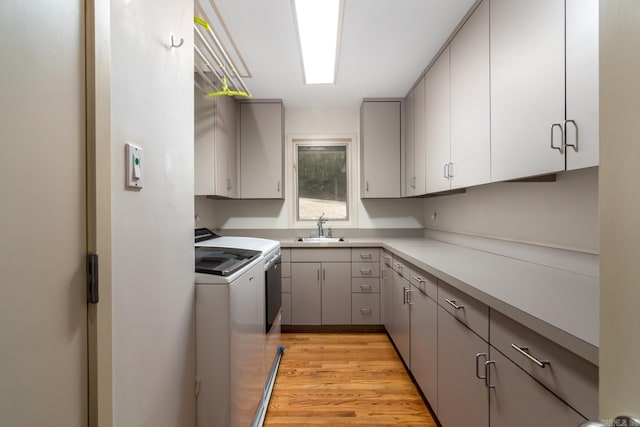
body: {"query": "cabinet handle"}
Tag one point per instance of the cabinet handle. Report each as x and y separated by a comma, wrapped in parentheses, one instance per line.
(449, 170)
(365, 256)
(478, 356)
(324, 275)
(564, 131)
(228, 183)
(366, 186)
(525, 352)
(409, 292)
(419, 279)
(487, 371)
(366, 311)
(453, 304)
(446, 165)
(404, 296)
(366, 287)
(383, 272)
(365, 271)
(561, 138)
(278, 186)
(318, 275)
(397, 265)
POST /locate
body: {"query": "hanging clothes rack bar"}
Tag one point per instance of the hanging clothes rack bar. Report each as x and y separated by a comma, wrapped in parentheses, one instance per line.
(216, 60)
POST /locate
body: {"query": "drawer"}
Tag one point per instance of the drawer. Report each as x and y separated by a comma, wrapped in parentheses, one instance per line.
(365, 254)
(569, 376)
(387, 258)
(365, 309)
(285, 253)
(365, 285)
(470, 311)
(365, 269)
(285, 269)
(426, 283)
(321, 255)
(286, 284)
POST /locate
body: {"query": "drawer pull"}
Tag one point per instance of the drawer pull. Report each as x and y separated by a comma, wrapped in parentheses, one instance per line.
(419, 279)
(397, 265)
(366, 311)
(453, 304)
(365, 256)
(365, 271)
(525, 352)
(366, 287)
(478, 356)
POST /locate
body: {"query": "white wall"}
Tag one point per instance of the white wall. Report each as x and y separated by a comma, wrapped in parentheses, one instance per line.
(560, 214)
(153, 291)
(253, 214)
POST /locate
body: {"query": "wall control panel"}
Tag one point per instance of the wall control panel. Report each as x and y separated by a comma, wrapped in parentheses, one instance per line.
(134, 165)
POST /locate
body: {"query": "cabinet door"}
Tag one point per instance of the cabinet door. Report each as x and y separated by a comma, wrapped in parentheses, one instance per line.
(582, 83)
(226, 148)
(408, 153)
(204, 146)
(380, 149)
(438, 125)
(401, 330)
(336, 293)
(519, 400)
(470, 102)
(527, 87)
(261, 150)
(424, 345)
(420, 138)
(386, 297)
(463, 399)
(306, 293)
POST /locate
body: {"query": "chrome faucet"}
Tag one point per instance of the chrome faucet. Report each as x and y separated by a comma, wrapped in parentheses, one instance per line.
(321, 221)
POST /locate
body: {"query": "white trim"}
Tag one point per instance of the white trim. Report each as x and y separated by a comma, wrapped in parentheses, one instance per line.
(352, 172)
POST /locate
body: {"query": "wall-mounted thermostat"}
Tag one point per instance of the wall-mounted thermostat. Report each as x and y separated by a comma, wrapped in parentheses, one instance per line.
(134, 166)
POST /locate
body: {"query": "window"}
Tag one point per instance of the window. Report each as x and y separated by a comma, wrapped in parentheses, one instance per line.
(321, 176)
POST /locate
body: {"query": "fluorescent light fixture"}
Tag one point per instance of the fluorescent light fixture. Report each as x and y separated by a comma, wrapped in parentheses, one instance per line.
(318, 30)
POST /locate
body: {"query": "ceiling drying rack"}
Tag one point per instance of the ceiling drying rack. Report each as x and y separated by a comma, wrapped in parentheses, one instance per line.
(214, 61)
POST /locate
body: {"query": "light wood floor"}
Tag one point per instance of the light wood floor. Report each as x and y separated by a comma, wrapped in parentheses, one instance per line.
(342, 379)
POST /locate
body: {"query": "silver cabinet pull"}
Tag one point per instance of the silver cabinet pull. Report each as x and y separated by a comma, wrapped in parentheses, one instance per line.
(365, 271)
(449, 170)
(404, 296)
(397, 265)
(366, 256)
(478, 356)
(419, 279)
(453, 304)
(366, 311)
(383, 272)
(324, 274)
(366, 287)
(561, 138)
(413, 182)
(525, 352)
(446, 166)
(409, 292)
(366, 187)
(278, 186)
(566, 139)
(318, 275)
(487, 371)
(228, 183)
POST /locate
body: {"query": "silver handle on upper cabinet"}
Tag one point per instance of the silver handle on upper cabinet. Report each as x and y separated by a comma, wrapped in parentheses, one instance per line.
(487, 371)
(453, 304)
(278, 186)
(525, 352)
(564, 131)
(561, 137)
(478, 356)
(449, 170)
(228, 183)
(366, 186)
(620, 420)
(446, 166)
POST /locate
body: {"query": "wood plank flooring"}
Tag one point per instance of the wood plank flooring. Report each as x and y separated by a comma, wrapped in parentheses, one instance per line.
(343, 379)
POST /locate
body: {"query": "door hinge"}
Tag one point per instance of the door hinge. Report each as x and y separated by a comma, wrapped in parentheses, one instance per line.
(197, 386)
(93, 295)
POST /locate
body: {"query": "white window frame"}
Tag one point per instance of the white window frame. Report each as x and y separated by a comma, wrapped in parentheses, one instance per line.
(293, 141)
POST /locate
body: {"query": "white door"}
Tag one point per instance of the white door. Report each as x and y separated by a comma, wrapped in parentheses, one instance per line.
(43, 315)
(619, 188)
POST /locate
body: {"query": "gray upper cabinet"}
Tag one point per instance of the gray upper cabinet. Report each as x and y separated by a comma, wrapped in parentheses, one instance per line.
(408, 151)
(215, 147)
(470, 103)
(414, 154)
(380, 135)
(527, 87)
(261, 139)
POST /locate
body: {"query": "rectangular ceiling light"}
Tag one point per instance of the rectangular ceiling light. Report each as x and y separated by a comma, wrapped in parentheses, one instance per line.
(318, 31)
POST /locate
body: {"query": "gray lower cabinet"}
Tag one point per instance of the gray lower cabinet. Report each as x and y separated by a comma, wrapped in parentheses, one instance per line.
(386, 290)
(400, 322)
(424, 345)
(516, 399)
(463, 398)
(320, 293)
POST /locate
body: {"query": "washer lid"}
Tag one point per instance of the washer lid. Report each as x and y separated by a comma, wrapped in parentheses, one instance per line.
(222, 261)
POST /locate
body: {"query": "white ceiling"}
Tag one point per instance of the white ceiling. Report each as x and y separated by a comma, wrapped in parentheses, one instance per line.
(384, 47)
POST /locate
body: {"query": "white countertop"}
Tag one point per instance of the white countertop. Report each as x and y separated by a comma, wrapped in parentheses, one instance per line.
(559, 304)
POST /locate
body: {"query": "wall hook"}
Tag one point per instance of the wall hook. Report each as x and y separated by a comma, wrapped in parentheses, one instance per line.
(173, 43)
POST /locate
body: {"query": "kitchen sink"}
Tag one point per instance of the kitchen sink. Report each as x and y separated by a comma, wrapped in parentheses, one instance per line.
(320, 239)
